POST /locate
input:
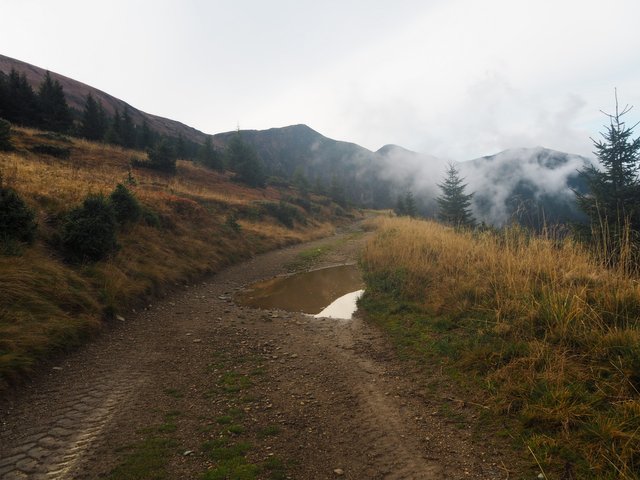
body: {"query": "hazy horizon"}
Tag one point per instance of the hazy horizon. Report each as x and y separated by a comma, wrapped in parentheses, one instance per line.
(458, 79)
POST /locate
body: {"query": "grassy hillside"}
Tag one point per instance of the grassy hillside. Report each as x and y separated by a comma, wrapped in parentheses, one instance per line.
(535, 327)
(194, 222)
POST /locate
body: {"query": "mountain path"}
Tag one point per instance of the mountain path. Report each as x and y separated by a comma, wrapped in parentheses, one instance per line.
(343, 404)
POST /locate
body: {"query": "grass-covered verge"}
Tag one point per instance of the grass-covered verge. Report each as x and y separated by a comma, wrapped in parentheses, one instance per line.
(535, 327)
(192, 223)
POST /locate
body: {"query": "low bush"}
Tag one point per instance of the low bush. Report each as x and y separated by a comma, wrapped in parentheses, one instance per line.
(89, 233)
(284, 212)
(125, 205)
(5, 135)
(17, 220)
(52, 150)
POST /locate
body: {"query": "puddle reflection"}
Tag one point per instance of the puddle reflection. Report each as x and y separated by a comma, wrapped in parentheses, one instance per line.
(310, 292)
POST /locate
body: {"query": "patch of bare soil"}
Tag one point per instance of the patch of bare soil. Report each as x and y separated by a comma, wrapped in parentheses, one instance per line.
(327, 398)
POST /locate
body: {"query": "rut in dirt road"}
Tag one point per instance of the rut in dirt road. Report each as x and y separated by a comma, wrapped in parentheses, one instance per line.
(332, 390)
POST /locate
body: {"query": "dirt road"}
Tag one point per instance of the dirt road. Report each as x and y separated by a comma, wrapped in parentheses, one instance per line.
(196, 375)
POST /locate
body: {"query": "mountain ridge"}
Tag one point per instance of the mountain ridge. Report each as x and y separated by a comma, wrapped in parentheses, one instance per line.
(76, 92)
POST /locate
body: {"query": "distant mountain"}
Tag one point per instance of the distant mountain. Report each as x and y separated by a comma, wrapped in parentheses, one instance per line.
(531, 185)
(340, 168)
(76, 93)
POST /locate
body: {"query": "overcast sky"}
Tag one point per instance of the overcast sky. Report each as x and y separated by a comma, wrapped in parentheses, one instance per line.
(457, 79)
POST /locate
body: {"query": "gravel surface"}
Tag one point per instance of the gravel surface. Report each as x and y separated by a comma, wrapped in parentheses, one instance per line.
(338, 402)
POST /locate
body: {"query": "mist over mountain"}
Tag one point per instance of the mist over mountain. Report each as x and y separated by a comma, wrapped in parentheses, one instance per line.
(531, 185)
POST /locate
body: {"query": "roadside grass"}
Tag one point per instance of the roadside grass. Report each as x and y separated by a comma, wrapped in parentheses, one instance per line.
(48, 305)
(533, 327)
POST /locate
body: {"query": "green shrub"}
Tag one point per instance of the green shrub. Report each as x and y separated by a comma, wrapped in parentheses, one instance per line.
(125, 205)
(16, 218)
(232, 223)
(53, 150)
(284, 212)
(5, 135)
(151, 218)
(89, 233)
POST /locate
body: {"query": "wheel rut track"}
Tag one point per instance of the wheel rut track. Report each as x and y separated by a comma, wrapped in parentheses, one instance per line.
(69, 423)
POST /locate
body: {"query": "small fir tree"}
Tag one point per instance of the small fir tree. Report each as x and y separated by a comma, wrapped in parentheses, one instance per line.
(454, 204)
(162, 157)
(89, 233)
(613, 196)
(244, 161)
(5, 135)
(209, 156)
(410, 205)
(54, 111)
(127, 130)
(94, 122)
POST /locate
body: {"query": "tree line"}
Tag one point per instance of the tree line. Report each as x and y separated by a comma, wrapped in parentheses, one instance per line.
(46, 108)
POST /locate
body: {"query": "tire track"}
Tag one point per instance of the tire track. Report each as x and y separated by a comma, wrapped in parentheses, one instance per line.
(51, 450)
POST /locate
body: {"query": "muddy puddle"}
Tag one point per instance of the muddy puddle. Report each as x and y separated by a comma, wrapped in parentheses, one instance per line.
(327, 292)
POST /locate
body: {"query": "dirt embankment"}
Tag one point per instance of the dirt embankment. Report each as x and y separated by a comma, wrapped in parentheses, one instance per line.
(212, 385)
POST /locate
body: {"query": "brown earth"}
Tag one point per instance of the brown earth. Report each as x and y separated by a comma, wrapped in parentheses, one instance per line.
(328, 397)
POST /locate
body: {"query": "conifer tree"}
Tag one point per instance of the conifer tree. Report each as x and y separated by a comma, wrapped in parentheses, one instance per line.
(613, 196)
(454, 203)
(54, 111)
(243, 160)
(145, 136)
(21, 103)
(400, 208)
(209, 156)
(127, 130)
(94, 121)
(162, 157)
(5, 135)
(114, 132)
(410, 204)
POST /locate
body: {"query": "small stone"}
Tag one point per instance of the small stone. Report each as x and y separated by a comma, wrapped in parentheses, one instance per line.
(339, 472)
(120, 318)
(294, 355)
(197, 340)
(541, 476)
(188, 334)
(187, 453)
(57, 369)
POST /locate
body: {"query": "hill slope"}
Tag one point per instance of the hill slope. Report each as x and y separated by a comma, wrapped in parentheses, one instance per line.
(76, 92)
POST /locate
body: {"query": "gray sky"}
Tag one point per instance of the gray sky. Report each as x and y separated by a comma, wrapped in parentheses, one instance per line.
(457, 79)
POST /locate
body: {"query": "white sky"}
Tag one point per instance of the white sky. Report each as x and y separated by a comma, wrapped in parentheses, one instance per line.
(457, 78)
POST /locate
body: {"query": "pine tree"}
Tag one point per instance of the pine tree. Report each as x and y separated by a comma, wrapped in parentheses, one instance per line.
(244, 161)
(162, 157)
(336, 191)
(5, 135)
(400, 209)
(613, 197)
(114, 132)
(145, 136)
(54, 111)
(454, 203)
(410, 204)
(128, 130)
(21, 105)
(93, 123)
(209, 156)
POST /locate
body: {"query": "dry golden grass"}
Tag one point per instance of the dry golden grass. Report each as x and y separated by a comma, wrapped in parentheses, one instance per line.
(554, 336)
(47, 304)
